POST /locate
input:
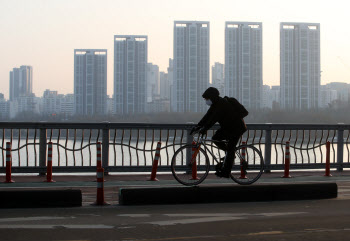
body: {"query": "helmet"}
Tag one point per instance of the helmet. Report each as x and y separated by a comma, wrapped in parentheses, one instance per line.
(211, 93)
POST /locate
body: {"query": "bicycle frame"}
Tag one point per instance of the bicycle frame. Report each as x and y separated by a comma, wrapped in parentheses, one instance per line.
(201, 142)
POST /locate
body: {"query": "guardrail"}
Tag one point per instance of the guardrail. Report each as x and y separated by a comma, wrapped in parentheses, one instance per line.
(130, 147)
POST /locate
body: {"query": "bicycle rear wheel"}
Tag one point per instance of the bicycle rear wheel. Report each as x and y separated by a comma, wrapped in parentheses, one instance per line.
(248, 165)
(187, 170)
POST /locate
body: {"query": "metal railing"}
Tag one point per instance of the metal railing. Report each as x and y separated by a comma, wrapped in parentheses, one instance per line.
(130, 147)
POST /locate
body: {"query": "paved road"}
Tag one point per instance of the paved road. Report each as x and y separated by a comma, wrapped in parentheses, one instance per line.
(297, 220)
(302, 220)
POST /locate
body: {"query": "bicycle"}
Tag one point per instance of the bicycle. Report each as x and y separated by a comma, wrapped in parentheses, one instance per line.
(190, 163)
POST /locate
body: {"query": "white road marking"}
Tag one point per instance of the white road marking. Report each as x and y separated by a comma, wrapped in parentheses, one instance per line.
(94, 215)
(194, 220)
(126, 227)
(230, 214)
(266, 233)
(137, 215)
(97, 226)
(55, 226)
(206, 214)
(215, 217)
(2, 220)
(13, 226)
(280, 214)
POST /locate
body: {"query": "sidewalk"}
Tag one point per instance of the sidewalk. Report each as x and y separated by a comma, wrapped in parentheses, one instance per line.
(119, 180)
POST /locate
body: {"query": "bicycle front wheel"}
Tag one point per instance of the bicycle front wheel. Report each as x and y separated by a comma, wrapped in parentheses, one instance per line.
(248, 165)
(189, 169)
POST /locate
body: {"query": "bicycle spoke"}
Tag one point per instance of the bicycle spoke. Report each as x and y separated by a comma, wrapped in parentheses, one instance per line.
(248, 165)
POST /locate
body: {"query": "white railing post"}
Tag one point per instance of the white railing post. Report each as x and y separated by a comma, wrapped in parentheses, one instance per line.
(268, 149)
(42, 149)
(105, 146)
(340, 147)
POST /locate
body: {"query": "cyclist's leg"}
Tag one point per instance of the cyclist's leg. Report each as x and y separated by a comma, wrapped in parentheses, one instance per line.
(231, 147)
(219, 136)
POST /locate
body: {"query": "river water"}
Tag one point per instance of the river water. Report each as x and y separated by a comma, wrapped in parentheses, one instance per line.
(125, 156)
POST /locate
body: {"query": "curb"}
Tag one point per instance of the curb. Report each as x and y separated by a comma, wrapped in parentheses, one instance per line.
(40, 198)
(217, 194)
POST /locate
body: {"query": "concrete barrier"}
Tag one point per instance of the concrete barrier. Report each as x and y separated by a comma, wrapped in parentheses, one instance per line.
(40, 198)
(212, 194)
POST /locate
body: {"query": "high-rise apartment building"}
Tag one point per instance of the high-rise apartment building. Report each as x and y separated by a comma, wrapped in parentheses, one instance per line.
(300, 65)
(218, 78)
(67, 105)
(110, 106)
(130, 73)
(152, 81)
(342, 89)
(51, 102)
(4, 107)
(21, 82)
(266, 100)
(327, 96)
(243, 62)
(164, 85)
(25, 104)
(191, 65)
(275, 96)
(171, 84)
(90, 81)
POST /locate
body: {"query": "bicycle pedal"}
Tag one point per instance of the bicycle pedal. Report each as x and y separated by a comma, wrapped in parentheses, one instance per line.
(218, 166)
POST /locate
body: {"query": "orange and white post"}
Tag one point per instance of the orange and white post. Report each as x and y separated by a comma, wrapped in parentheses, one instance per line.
(98, 151)
(155, 163)
(328, 162)
(243, 176)
(98, 157)
(8, 163)
(49, 163)
(287, 162)
(194, 153)
(100, 196)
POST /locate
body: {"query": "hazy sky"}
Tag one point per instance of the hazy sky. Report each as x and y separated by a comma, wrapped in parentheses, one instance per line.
(44, 33)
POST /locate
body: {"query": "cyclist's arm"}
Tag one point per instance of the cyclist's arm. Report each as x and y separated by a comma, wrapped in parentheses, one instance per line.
(209, 119)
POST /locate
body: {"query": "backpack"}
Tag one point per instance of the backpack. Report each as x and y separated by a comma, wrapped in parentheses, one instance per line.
(238, 107)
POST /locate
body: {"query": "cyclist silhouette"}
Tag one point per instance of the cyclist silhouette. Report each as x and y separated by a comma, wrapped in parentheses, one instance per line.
(229, 113)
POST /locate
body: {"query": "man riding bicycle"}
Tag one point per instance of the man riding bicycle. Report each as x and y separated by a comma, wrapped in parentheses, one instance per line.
(229, 113)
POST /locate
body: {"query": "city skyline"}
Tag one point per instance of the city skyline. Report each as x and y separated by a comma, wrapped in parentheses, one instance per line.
(68, 25)
(136, 82)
